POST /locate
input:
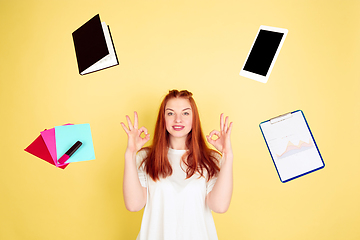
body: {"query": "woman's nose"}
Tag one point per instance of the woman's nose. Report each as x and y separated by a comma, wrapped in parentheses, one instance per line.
(178, 118)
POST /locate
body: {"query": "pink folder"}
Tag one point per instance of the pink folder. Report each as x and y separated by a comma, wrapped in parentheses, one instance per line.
(39, 149)
(50, 142)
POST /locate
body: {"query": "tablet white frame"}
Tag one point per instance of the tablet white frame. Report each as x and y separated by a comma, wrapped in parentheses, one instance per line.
(258, 77)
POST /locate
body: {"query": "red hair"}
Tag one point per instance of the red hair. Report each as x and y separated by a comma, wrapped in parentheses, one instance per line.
(199, 156)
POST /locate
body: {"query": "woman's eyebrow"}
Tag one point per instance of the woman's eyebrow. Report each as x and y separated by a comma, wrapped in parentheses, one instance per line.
(169, 109)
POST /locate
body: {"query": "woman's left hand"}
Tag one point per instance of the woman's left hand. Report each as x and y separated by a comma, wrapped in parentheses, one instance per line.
(223, 142)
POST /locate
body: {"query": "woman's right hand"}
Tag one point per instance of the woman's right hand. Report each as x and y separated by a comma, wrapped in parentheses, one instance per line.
(135, 141)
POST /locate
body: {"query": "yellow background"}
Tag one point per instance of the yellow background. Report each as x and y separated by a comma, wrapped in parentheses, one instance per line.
(195, 45)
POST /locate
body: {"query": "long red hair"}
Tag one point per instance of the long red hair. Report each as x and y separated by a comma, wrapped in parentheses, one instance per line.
(199, 156)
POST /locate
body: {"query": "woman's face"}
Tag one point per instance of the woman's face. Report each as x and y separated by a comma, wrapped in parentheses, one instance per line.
(178, 117)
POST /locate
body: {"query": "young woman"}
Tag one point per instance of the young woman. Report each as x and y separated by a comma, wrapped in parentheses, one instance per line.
(178, 178)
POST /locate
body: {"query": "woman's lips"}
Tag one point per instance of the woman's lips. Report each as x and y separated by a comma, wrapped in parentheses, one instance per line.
(178, 127)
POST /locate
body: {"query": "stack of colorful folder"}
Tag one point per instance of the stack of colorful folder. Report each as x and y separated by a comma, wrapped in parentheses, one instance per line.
(53, 143)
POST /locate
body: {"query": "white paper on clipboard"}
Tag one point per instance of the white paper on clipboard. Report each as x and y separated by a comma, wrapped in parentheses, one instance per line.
(291, 145)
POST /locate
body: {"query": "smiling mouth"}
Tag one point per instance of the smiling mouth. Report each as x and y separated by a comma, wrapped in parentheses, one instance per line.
(178, 128)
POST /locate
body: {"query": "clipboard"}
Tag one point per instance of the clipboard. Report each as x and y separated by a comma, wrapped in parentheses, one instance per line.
(291, 145)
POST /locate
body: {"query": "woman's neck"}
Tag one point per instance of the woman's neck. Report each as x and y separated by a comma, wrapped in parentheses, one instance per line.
(177, 143)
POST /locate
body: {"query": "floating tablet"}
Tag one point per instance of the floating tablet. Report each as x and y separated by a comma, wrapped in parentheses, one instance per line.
(263, 53)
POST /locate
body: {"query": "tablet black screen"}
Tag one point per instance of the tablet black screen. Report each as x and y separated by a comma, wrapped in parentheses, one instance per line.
(263, 52)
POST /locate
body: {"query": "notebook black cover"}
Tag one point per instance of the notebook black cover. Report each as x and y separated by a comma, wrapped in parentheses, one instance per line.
(90, 44)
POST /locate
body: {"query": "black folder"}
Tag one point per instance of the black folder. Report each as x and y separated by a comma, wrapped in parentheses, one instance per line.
(94, 47)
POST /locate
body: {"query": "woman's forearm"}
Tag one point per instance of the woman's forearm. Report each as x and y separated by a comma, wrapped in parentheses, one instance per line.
(219, 198)
(134, 193)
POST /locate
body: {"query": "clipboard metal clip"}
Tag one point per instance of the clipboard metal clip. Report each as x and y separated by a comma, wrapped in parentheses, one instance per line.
(280, 118)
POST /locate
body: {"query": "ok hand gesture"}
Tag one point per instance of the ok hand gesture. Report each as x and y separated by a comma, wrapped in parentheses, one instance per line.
(135, 141)
(223, 142)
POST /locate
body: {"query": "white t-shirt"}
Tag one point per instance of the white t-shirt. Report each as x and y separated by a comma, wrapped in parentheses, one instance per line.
(176, 208)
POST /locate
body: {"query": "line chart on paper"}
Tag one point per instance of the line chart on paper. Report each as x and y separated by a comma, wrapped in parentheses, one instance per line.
(292, 148)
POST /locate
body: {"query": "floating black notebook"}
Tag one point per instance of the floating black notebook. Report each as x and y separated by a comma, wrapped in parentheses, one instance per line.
(94, 47)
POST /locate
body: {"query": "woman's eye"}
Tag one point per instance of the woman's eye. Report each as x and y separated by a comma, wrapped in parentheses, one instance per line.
(186, 113)
(170, 113)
